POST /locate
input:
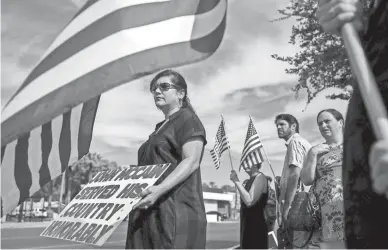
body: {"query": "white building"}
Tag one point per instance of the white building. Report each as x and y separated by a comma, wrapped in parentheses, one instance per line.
(218, 205)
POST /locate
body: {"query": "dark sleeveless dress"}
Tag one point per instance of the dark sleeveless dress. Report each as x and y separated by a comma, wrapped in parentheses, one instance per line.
(253, 228)
(178, 219)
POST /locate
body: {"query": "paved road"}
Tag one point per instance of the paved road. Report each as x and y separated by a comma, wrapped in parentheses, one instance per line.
(220, 236)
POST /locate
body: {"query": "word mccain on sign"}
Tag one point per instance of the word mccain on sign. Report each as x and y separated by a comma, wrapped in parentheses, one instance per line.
(132, 172)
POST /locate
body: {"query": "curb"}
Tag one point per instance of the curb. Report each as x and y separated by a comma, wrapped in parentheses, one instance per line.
(223, 222)
(11, 225)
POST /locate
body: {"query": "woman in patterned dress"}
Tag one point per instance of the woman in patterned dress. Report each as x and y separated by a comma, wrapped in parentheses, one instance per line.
(323, 170)
(171, 213)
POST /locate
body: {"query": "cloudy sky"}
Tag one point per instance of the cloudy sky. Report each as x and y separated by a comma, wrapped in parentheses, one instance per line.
(239, 80)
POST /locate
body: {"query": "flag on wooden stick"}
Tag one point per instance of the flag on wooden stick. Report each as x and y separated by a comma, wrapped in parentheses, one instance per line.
(48, 122)
(251, 154)
(221, 144)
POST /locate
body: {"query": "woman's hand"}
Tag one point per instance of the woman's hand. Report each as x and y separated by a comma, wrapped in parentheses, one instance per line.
(149, 197)
(333, 14)
(234, 176)
(378, 161)
(319, 149)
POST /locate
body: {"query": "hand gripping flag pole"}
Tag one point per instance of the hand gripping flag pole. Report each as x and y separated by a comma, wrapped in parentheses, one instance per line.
(366, 81)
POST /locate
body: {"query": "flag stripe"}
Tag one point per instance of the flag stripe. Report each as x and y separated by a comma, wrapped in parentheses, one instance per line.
(255, 142)
(249, 148)
(215, 158)
(251, 154)
(130, 17)
(221, 144)
(85, 131)
(23, 181)
(3, 152)
(86, 6)
(112, 74)
(46, 146)
(91, 14)
(64, 145)
(37, 160)
(131, 23)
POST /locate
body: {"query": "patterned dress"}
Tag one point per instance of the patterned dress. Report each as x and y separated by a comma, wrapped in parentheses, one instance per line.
(329, 190)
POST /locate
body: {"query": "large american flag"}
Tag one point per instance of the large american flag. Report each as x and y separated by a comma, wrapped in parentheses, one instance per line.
(221, 144)
(48, 123)
(251, 154)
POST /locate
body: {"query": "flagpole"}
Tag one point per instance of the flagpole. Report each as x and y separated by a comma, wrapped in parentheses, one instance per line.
(274, 176)
(266, 156)
(226, 135)
(62, 190)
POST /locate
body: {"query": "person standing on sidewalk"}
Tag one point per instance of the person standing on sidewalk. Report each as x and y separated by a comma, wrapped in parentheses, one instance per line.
(297, 147)
(254, 197)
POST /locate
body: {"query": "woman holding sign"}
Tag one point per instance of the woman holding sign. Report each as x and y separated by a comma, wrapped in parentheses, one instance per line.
(171, 213)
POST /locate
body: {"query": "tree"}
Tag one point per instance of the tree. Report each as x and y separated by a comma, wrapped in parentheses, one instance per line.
(228, 188)
(212, 184)
(321, 62)
(85, 169)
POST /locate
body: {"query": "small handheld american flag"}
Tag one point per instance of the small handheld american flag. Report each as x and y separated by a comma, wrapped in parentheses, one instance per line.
(221, 144)
(251, 154)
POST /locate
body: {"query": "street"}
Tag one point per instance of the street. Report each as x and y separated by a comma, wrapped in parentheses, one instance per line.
(220, 236)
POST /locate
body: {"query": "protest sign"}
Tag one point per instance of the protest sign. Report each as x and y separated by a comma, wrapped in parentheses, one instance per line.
(98, 209)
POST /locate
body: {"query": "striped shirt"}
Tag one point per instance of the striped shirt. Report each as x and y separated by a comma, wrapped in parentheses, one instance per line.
(297, 148)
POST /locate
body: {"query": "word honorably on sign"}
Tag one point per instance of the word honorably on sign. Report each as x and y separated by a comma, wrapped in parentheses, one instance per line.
(98, 209)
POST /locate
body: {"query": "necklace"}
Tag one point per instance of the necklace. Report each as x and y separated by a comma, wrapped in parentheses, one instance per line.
(336, 146)
(164, 123)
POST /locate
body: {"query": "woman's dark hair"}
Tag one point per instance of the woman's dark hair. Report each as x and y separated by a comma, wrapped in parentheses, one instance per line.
(337, 115)
(178, 80)
(290, 119)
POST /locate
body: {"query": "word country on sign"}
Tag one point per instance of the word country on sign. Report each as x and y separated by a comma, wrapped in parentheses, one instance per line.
(99, 208)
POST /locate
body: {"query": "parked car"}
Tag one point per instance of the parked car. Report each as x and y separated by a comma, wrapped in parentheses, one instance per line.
(220, 216)
(36, 212)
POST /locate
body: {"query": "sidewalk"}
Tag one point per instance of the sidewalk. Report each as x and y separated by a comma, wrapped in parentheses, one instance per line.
(224, 222)
(44, 224)
(10, 225)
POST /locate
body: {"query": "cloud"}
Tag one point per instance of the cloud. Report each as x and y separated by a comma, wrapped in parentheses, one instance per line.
(240, 79)
(28, 28)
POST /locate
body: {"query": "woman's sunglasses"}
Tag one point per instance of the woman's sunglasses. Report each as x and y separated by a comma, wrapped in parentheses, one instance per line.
(164, 86)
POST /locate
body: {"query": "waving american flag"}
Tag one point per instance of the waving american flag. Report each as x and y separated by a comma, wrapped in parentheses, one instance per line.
(251, 154)
(48, 123)
(221, 144)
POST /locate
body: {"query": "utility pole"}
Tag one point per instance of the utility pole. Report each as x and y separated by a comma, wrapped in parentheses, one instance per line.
(63, 183)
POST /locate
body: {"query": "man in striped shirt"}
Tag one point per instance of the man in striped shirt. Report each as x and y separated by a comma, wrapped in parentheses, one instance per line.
(297, 147)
